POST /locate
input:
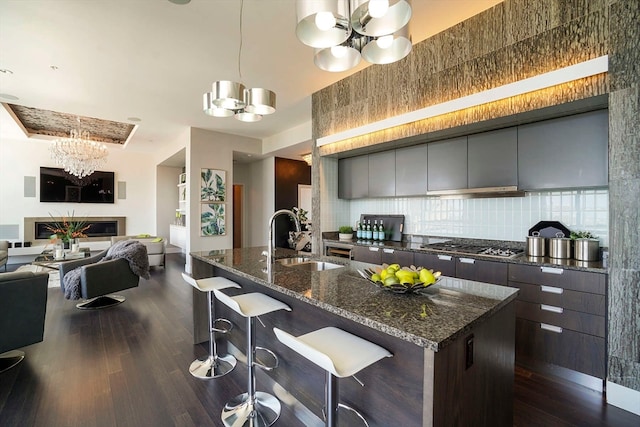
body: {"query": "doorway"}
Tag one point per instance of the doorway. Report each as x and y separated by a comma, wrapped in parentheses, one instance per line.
(237, 215)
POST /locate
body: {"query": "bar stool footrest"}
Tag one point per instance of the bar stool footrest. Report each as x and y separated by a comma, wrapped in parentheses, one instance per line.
(260, 364)
(228, 326)
(358, 414)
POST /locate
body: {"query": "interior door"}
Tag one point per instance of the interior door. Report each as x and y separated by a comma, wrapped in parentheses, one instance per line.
(237, 216)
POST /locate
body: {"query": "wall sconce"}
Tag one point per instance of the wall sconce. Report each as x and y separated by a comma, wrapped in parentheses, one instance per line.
(307, 158)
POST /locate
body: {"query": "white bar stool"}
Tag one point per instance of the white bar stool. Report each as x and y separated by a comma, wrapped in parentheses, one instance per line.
(340, 354)
(214, 365)
(254, 408)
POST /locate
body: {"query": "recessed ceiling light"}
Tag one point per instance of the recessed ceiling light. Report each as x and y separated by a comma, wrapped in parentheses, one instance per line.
(134, 119)
(5, 71)
(179, 1)
(7, 96)
(53, 67)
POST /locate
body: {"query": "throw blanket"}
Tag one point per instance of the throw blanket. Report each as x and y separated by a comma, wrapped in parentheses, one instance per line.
(131, 250)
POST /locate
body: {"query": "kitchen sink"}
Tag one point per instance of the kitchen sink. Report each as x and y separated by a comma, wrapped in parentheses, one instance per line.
(293, 260)
(304, 263)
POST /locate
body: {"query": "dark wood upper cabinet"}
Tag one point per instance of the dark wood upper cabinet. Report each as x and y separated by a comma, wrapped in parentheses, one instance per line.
(568, 152)
(447, 164)
(493, 158)
(382, 174)
(411, 171)
(353, 177)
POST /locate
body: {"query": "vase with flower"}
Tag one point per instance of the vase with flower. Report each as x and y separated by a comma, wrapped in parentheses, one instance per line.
(67, 230)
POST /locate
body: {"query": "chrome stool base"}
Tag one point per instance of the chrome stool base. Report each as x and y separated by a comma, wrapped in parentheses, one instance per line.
(240, 412)
(103, 301)
(212, 366)
(10, 359)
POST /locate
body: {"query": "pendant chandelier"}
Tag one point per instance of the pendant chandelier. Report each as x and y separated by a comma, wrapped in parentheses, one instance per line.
(228, 98)
(78, 155)
(345, 31)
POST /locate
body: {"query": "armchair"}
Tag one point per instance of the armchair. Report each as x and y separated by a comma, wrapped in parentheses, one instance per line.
(4, 253)
(99, 278)
(23, 303)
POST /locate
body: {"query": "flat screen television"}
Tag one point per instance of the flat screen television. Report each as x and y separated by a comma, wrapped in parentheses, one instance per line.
(56, 185)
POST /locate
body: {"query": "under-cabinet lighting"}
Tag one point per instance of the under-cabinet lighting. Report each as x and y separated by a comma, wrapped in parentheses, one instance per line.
(542, 81)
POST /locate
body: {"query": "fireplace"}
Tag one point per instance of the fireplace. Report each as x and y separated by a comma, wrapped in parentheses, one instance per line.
(96, 229)
(101, 228)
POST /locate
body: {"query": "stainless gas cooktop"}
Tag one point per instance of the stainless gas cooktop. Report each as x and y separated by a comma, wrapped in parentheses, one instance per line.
(492, 251)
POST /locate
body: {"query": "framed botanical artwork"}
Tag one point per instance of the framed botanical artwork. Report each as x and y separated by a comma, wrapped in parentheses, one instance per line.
(213, 186)
(212, 219)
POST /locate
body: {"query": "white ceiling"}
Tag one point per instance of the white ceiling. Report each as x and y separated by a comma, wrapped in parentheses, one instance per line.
(153, 59)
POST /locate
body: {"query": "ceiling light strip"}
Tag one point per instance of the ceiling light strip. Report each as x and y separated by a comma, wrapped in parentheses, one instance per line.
(542, 81)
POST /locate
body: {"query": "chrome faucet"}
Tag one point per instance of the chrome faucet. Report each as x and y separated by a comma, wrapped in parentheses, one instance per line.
(271, 223)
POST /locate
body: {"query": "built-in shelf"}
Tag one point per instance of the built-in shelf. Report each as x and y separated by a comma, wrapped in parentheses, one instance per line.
(181, 211)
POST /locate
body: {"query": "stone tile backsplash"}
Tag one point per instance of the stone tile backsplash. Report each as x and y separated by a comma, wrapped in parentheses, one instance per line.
(507, 218)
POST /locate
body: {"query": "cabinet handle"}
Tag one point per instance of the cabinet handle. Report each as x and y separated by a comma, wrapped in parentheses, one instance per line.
(388, 251)
(551, 270)
(551, 308)
(467, 260)
(551, 289)
(445, 257)
(547, 327)
(372, 249)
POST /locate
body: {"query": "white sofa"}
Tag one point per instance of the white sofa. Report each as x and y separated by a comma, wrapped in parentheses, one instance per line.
(155, 247)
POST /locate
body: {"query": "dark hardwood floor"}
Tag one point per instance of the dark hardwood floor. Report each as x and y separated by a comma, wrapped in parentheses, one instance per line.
(128, 366)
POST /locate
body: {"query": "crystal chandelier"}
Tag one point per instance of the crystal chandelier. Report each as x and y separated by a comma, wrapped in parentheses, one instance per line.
(345, 31)
(228, 98)
(78, 155)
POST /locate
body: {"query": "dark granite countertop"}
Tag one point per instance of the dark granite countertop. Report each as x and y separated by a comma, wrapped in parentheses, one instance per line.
(431, 320)
(570, 264)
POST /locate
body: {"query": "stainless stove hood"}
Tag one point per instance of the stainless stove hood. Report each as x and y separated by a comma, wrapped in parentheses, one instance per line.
(476, 193)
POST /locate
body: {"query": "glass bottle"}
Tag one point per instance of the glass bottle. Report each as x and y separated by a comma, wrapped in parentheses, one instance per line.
(381, 233)
(375, 230)
(359, 230)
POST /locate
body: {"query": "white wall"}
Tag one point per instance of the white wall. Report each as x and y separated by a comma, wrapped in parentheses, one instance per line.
(242, 176)
(334, 212)
(167, 197)
(213, 150)
(21, 156)
(261, 200)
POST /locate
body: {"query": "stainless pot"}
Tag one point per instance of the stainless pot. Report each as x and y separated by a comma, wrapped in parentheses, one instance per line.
(560, 246)
(536, 245)
(587, 249)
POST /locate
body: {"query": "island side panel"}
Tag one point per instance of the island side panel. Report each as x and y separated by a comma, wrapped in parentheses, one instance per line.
(393, 387)
(481, 394)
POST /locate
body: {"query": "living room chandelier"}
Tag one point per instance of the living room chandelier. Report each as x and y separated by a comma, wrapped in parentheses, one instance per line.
(228, 98)
(344, 31)
(77, 154)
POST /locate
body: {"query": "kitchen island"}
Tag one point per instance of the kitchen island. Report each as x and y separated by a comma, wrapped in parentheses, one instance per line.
(453, 345)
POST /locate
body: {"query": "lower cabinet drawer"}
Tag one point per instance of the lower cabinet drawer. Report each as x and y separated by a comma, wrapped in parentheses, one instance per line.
(573, 350)
(393, 256)
(558, 316)
(444, 263)
(572, 300)
(482, 271)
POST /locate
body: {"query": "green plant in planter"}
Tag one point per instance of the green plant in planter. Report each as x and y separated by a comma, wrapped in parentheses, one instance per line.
(581, 235)
(345, 229)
